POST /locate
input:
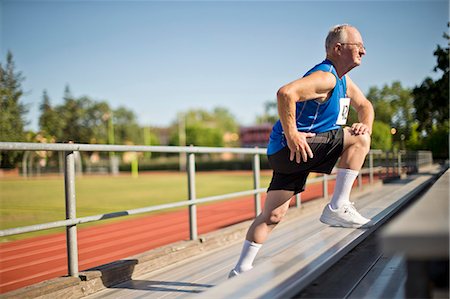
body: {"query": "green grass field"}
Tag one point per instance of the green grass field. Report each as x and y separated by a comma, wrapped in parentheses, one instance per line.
(39, 200)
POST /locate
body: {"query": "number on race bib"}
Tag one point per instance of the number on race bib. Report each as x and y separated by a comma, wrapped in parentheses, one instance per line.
(344, 107)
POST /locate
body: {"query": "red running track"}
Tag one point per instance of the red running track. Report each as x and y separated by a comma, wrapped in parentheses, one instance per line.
(33, 260)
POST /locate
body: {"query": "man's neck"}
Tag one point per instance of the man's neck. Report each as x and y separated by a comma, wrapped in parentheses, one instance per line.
(341, 70)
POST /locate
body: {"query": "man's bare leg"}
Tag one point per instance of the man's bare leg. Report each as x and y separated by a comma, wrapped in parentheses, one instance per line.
(340, 211)
(354, 153)
(356, 148)
(275, 207)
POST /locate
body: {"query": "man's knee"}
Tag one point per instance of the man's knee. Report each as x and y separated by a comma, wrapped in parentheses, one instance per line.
(276, 216)
(363, 142)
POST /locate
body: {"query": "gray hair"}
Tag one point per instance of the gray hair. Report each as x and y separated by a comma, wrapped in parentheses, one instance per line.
(336, 34)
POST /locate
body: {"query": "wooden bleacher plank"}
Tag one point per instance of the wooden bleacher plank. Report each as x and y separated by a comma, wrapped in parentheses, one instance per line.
(295, 241)
(296, 267)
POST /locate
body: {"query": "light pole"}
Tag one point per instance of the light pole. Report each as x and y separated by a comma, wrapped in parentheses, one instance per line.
(393, 132)
(147, 141)
(402, 138)
(108, 116)
(182, 138)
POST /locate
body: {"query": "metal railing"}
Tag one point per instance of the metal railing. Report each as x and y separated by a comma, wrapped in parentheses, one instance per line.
(71, 222)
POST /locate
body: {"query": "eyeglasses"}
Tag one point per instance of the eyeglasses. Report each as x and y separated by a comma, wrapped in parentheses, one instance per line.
(360, 46)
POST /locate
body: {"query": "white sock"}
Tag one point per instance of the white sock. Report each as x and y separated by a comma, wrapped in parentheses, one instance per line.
(248, 254)
(344, 182)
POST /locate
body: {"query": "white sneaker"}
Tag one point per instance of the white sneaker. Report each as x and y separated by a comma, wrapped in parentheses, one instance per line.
(233, 273)
(345, 216)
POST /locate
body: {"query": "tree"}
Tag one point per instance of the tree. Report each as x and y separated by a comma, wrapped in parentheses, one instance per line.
(381, 136)
(270, 113)
(437, 141)
(431, 97)
(84, 120)
(225, 120)
(12, 111)
(203, 128)
(126, 127)
(200, 135)
(50, 123)
(384, 109)
(393, 105)
(431, 100)
(80, 120)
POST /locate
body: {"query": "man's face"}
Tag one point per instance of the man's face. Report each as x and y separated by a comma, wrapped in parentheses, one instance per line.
(352, 49)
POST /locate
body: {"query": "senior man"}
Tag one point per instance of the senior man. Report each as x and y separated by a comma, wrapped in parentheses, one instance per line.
(311, 136)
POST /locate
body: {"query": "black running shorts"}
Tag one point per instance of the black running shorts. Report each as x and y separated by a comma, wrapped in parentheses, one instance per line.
(290, 175)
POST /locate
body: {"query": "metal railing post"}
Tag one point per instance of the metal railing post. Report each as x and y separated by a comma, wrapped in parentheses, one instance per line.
(256, 183)
(71, 230)
(387, 164)
(371, 168)
(192, 196)
(30, 165)
(61, 162)
(298, 200)
(25, 163)
(360, 180)
(325, 186)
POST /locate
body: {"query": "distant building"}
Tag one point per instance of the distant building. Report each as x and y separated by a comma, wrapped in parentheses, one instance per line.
(257, 135)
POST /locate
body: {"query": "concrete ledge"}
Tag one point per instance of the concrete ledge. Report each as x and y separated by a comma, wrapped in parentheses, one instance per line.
(99, 278)
(106, 275)
(61, 287)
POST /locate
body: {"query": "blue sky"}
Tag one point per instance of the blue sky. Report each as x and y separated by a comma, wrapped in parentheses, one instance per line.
(159, 58)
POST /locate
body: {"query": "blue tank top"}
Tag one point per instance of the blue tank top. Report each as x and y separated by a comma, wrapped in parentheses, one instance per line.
(312, 116)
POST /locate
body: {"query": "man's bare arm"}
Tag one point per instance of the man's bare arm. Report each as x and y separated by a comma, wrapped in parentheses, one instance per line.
(315, 86)
(362, 106)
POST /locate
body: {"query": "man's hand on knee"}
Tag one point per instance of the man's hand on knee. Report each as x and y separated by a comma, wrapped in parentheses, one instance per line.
(360, 129)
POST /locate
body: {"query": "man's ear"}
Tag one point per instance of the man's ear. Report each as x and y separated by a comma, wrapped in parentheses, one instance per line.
(338, 48)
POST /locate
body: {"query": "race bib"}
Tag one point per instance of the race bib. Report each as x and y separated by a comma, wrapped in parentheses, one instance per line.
(344, 106)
